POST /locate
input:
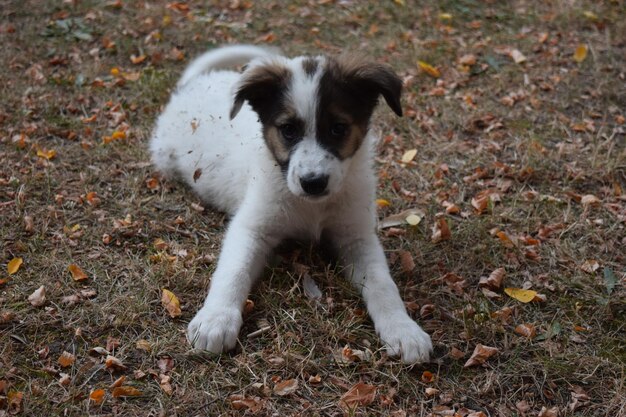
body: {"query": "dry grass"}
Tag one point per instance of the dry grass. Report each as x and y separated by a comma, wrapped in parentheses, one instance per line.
(562, 139)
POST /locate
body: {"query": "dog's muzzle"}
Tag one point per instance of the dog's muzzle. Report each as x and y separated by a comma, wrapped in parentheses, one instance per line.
(314, 185)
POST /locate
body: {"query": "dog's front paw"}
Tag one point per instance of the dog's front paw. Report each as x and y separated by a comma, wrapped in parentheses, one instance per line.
(405, 338)
(215, 329)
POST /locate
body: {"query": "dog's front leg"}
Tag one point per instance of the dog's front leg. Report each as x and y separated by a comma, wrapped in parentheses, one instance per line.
(366, 266)
(244, 251)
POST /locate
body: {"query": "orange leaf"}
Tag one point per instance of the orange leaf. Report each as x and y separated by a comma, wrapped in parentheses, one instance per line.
(66, 359)
(429, 69)
(97, 396)
(359, 394)
(381, 203)
(118, 382)
(480, 355)
(171, 303)
(428, 376)
(14, 265)
(77, 273)
(126, 391)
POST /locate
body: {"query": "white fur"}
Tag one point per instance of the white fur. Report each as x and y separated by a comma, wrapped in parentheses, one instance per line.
(240, 177)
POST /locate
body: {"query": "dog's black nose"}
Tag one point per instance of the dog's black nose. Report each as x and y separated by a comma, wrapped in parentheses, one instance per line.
(314, 184)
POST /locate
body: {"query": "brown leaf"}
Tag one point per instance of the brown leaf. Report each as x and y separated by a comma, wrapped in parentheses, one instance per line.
(241, 402)
(14, 398)
(118, 382)
(165, 364)
(527, 330)
(480, 355)
(406, 261)
(360, 394)
(494, 280)
(66, 359)
(113, 363)
(38, 297)
(440, 231)
(286, 387)
(171, 303)
(126, 391)
(549, 412)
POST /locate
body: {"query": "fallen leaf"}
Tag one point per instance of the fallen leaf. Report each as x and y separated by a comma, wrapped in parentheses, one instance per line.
(382, 203)
(427, 377)
(286, 387)
(38, 297)
(429, 69)
(590, 200)
(517, 56)
(440, 230)
(14, 399)
(113, 363)
(431, 392)
(549, 412)
(413, 219)
(399, 218)
(97, 396)
(46, 154)
(590, 266)
(494, 280)
(525, 296)
(165, 364)
(118, 382)
(126, 391)
(480, 355)
(406, 261)
(360, 394)
(14, 265)
(311, 290)
(468, 60)
(171, 303)
(505, 239)
(66, 359)
(527, 330)
(144, 345)
(241, 402)
(77, 273)
(408, 156)
(580, 54)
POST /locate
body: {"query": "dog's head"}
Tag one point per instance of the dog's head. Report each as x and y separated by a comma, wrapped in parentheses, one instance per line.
(315, 113)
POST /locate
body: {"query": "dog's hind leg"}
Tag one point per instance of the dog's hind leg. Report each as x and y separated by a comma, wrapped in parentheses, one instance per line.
(216, 325)
(363, 257)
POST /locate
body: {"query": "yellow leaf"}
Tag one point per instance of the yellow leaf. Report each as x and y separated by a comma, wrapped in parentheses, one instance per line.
(47, 154)
(115, 71)
(409, 155)
(580, 54)
(413, 219)
(525, 296)
(429, 69)
(77, 273)
(118, 134)
(399, 2)
(13, 265)
(445, 16)
(97, 396)
(590, 15)
(381, 202)
(171, 303)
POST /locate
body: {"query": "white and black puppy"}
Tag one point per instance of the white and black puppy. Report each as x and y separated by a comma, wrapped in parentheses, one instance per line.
(285, 148)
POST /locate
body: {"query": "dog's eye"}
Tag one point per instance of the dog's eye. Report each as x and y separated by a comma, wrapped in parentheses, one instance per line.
(339, 130)
(289, 131)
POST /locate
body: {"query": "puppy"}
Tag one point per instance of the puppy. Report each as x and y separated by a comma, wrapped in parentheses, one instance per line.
(285, 148)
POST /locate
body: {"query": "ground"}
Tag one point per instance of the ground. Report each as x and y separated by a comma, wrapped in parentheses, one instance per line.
(511, 152)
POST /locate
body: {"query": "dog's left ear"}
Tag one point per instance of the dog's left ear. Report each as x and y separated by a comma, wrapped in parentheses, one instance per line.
(260, 86)
(371, 80)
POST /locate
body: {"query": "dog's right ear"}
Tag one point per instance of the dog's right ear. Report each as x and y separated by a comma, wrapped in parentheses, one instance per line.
(259, 86)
